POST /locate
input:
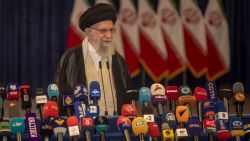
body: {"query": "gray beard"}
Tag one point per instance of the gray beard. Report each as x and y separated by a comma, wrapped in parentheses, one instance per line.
(105, 51)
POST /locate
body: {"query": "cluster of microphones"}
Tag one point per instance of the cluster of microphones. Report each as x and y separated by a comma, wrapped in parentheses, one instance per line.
(77, 113)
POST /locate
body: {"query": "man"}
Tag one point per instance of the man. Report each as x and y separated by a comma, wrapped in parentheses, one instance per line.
(89, 62)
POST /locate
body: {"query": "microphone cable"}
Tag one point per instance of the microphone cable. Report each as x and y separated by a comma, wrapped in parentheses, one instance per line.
(100, 67)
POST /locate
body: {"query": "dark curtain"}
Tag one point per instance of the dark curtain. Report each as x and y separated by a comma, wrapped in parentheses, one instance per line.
(33, 37)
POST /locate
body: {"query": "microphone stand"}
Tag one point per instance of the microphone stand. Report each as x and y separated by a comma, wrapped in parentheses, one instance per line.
(100, 67)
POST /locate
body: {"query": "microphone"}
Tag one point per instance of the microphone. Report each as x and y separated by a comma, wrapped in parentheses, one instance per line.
(95, 92)
(167, 132)
(46, 130)
(17, 127)
(144, 96)
(186, 98)
(60, 129)
(225, 93)
(222, 130)
(132, 94)
(172, 95)
(158, 96)
(194, 128)
(1, 109)
(2, 91)
(100, 67)
(239, 97)
(25, 97)
(200, 94)
(41, 98)
(140, 127)
(92, 110)
(50, 109)
(73, 128)
(211, 90)
(87, 126)
(5, 131)
(153, 131)
(68, 103)
(32, 127)
(124, 125)
(209, 127)
(208, 108)
(181, 134)
(53, 92)
(13, 109)
(79, 112)
(101, 126)
(182, 115)
(169, 118)
(221, 113)
(129, 110)
(148, 115)
(246, 121)
(12, 91)
(111, 85)
(236, 128)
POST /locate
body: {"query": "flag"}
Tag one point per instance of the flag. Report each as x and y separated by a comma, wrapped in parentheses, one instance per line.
(129, 35)
(173, 36)
(194, 37)
(217, 41)
(153, 53)
(75, 34)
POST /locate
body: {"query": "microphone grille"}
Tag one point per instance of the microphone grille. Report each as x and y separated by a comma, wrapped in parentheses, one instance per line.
(165, 126)
(238, 87)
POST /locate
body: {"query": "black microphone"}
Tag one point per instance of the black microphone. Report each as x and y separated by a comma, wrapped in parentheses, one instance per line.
(239, 97)
(25, 97)
(225, 93)
(2, 91)
(104, 95)
(111, 85)
(132, 94)
(41, 98)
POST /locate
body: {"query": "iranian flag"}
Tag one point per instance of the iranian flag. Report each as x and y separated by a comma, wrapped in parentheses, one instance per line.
(129, 35)
(217, 41)
(194, 37)
(171, 25)
(153, 53)
(75, 34)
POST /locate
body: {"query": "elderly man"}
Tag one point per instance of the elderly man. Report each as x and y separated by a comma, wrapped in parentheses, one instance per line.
(90, 61)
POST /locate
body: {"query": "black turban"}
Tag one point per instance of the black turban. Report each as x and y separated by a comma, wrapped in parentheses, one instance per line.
(97, 13)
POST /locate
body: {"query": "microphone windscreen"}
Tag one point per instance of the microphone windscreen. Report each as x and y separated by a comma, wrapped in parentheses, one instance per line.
(123, 123)
(50, 109)
(221, 112)
(59, 125)
(172, 92)
(225, 91)
(79, 110)
(129, 110)
(25, 96)
(13, 109)
(238, 87)
(92, 110)
(139, 126)
(194, 127)
(169, 118)
(101, 124)
(236, 126)
(211, 90)
(17, 125)
(5, 128)
(12, 91)
(222, 130)
(94, 90)
(132, 93)
(87, 123)
(158, 94)
(209, 126)
(200, 94)
(2, 91)
(153, 130)
(53, 91)
(81, 94)
(144, 95)
(208, 107)
(182, 114)
(72, 121)
(246, 121)
(68, 100)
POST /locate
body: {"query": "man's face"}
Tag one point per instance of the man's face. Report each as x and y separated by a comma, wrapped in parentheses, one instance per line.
(101, 36)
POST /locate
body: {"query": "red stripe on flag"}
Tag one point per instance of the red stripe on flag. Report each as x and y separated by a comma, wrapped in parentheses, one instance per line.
(73, 38)
(196, 58)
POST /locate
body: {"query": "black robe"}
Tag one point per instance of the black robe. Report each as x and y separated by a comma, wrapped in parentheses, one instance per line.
(71, 72)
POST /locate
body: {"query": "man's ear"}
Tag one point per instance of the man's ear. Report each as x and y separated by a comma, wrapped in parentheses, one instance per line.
(87, 30)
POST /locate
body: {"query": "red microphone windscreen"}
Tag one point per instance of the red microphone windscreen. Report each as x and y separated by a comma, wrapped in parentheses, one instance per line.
(50, 109)
(172, 92)
(153, 129)
(200, 94)
(129, 110)
(223, 135)
(72, 121)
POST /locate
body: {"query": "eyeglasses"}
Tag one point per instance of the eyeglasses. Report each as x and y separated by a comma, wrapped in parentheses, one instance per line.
(104, 30)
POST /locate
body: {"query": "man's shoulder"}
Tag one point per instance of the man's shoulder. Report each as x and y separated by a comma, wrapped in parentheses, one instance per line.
(75, 49)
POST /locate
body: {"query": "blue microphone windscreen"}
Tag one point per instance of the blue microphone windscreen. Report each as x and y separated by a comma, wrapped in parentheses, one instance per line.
(236, 123)
(79, 110)
(144, 95)
(53, 91)
(92, 110)
(211, 90)
(81, 94)
(17, 125)
(94, 90)
(169, 118)
(194, 127)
